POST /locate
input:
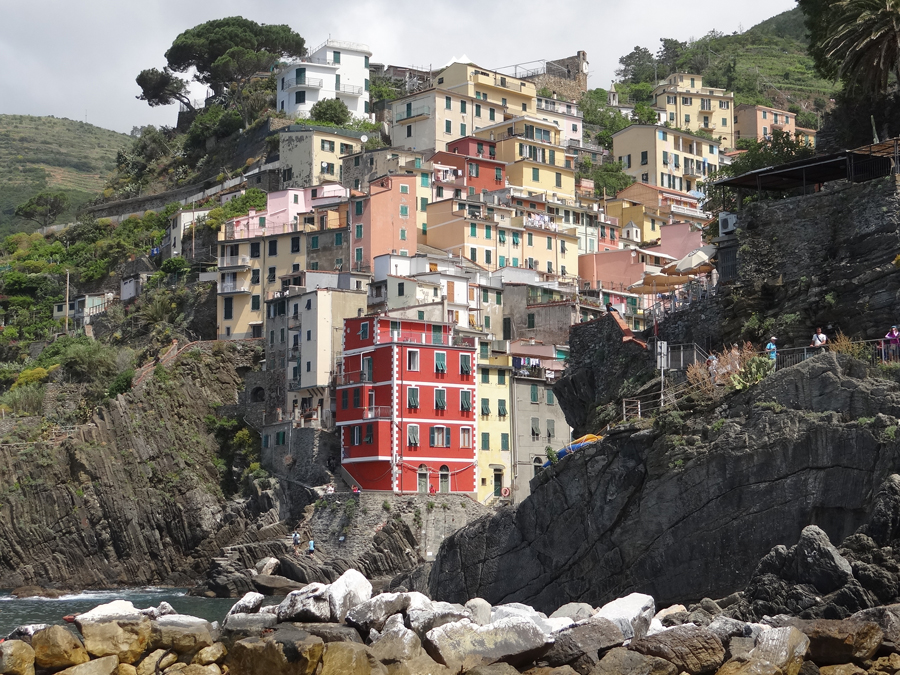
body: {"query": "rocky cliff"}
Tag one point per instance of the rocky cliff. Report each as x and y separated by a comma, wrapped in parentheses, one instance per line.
(687, 507)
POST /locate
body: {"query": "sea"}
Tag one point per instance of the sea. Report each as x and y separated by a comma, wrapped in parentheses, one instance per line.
(16, 612)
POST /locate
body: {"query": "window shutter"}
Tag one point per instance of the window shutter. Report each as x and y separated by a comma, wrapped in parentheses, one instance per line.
(501, 407)
(431, 436)
(535, 426)
(551, 428)
(485, 406)
(446, 437)
(413, 435)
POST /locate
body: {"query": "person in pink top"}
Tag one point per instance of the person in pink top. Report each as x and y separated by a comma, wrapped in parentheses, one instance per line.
(893, 343)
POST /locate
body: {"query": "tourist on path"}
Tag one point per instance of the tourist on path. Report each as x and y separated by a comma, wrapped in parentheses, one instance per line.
(819, 339)
(772, 351)
(893, 338)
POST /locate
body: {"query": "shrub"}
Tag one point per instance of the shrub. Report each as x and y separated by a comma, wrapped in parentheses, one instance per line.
(160, 374)
(330, 110)
(843, 344)
(25, 400)
(121, 384)
(552, 455)
(891, 433)
(31, 376)
(753, 372)
(386, 505)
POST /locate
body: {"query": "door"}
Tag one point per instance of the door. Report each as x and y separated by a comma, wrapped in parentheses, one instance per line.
(507, 328)
(301, 76)
(445, 479)
(423, 479)
(498, 482)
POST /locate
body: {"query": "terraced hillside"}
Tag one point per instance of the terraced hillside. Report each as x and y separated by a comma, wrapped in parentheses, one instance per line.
(40, 153)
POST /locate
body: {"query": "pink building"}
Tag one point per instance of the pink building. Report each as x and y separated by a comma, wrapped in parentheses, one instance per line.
(619, 269)
(678, 239)
(286, 209)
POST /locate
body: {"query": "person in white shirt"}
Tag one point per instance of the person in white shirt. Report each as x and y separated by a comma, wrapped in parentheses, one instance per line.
(819, 339)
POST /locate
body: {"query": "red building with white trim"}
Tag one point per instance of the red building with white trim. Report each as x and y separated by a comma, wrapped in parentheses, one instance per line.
(406, 405)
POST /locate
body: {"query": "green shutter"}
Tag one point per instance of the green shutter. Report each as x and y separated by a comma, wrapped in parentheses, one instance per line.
(413, 435)
(440, 399)
(501, 407)
(431, 436)
(504, 441)
(485, 406)
(485, 440)
(465, 364)
(535, 426)
(465, 400)
(534, 393)
(440, 363)
(412, 397)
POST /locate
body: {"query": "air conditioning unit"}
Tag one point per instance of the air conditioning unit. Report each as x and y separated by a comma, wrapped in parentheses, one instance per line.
(727, 223)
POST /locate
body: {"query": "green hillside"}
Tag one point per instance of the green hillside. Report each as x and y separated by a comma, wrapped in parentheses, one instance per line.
(40, 153)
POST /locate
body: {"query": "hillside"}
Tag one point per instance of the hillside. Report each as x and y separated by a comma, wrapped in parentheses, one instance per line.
(40, 153)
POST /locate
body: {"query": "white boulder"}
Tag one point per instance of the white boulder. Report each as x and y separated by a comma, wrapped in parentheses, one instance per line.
(249, 604)
(350, 589)
(632, 614)
(310, 603)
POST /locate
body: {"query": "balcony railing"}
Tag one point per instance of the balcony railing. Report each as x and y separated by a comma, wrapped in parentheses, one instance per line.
(356, 377)
(234, 261)
(377, 412)
(429, 339)
(418, 111)
(350, 90)
(233, 287)
(307, 82)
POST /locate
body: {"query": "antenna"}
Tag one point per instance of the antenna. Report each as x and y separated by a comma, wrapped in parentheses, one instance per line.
(364, 138)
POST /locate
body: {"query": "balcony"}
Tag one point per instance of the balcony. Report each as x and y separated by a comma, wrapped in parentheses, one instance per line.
(233, 261)
(377, 412)
(421, 111)
(710, 126)
(305, 82)
(552, 107)
(687, 210)
(227, 287)
(350, 90)
(356, 377)
(691, 171)
(294, 322)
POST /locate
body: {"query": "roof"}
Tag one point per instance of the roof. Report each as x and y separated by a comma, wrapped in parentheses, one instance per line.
(668, 129)
(858, 165)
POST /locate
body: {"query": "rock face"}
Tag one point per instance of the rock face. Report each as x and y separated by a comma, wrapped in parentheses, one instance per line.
(640, 512)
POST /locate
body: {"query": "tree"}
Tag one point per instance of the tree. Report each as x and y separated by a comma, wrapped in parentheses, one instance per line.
(330, 110)
(857, 41)
(202, 46)
(643, 114)
(44, 208)
(637, 66)
(161, 87)
(668, 55)
(610, 178)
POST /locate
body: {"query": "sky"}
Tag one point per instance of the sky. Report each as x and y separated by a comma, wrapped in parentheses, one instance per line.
(78, 58)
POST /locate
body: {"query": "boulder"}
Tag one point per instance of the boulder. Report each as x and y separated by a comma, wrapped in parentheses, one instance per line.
(887, 664)
(116, 628)
(240, 626)
(105, 665)
(181, 633)
(438, 614)
(577, 611)
(671, 609)
(161, 658)
(374, 612)
(816, 561)
(655, 627)
(350, 590)
(518, 609)
(832, 642)
(267, 566)
(421, 665)
(739, 646)
(396, 642)
(56, 648)
(632, 614)
(348, 658)
(479, 611)
(843, 669)
(215, 653)
(311, 603)
(330, 632)
(272, 584)
(579, 645)
(725, 628)
(692, 648)
(26, 631)
(288, 651)
(249, 604)
(887, 617)
(621, 661)
(546, 670)
(163, 609)
(745, 665)
(126, 669)
(514, 640)
(493, 669)
(16, 658)
(784, 647)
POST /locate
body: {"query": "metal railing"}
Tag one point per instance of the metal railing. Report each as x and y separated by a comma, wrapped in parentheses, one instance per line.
(232, 287)
(234, 261)
(350, 89)
(377, 412)
(308, 82)
(354, 377)
(429, 338)
(869, 351)
(414, 112)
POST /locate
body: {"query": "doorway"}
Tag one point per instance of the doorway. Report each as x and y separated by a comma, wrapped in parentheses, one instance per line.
(498, 482)
(423, 478)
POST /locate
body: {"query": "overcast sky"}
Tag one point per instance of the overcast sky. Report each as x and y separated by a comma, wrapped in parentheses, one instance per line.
(78, 58)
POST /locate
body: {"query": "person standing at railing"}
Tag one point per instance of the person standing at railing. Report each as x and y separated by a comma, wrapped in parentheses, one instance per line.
(772, 351)
(893, 343)
(819, 340)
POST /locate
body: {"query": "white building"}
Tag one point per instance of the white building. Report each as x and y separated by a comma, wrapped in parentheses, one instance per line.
(334, 69)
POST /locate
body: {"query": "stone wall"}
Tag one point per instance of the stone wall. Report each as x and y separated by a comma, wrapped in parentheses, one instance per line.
(564, 77)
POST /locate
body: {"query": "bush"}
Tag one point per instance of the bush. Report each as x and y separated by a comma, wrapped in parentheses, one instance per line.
(386, 505)
(331, 110)
(25, 400)
(121, 384)
(31, 376)
(843, 344)
(174, 265)
(552, 455)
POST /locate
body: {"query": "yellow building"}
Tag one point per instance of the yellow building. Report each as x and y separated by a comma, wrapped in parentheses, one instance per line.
(494, 409)
(689, 105)
(535, 159)
(484, 85)
(670, 159)
(311, 154)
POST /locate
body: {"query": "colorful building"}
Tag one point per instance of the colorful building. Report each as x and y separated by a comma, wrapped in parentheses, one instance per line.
(406, 405)
(495, 438)
(689, 105)
(311, 155)
(475, 161)
(489, 89)
(757, 121)
(427, 120)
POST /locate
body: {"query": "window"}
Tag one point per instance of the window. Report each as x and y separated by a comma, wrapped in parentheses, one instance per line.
(370, 428)
(536, 175)
(359, 230)
(440, 437)
(420, 315)
(535, 428)
(228, 309)
(487, 319)
(440, 399)
(423, 203)
(337, 57)
(462, 129)
(491, 114)
(477, 110)
(412, 434)
(530, 239)
(485, 375)
(551, 429)
(535, 394)
(485, 406)
(270, 277)
(687, 119)
(404, 211)
(404, 189)
(279, 437)
(448, 129)
(357, 435)
(465, 364)
(473, 230)
(465, 400)
(314, 242)
(551, 400)
(440, 361)
(344, 398)
(254, 250)
(273, 247)
(473, 170)
(448, 103)
(501, 406)
(473, 254)
(338, 238)
(254, 276)
(409, 130)
(254, 303)
(299, 97)
(401, 289)
(412, 360)
(558, 179)
(465, 437)
(485, 440)
(487, 231)
(364, 330)
(356, 397)
(309, 336)
(462, 106)
(412, 397)
(327, 146)
(271, 337)
(549, 243)
(529, 321)
(402, 234)
(501, 374)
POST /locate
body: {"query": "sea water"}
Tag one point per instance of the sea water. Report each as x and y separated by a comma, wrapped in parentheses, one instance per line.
(16, 612)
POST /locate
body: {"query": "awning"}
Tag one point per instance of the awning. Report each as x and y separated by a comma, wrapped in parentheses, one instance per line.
(697, 260)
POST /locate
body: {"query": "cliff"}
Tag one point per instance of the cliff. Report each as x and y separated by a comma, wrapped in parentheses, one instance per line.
(687, 507)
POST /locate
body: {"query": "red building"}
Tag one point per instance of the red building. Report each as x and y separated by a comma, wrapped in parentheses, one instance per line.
(406, 405)
(476, 165)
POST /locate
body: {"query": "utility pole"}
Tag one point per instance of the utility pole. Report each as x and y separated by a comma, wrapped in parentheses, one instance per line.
(67, 302)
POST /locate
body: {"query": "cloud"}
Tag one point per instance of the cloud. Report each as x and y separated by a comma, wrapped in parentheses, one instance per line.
(77, 59)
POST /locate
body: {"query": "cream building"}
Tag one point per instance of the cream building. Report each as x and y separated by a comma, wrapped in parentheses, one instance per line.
(494, 408)
(690, 105)
(311, 154)
(489, 87)
(427, 120)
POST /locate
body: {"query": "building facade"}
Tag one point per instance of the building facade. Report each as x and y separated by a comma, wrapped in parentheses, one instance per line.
(689, 105)
(758, 122)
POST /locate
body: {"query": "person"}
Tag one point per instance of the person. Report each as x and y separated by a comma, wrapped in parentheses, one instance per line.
(330, 489)
(431, 489)
(355, 489)
(772, 351)
(296, 539)
(712, 364)
(893, 339)
(312, 547)
(819, 339)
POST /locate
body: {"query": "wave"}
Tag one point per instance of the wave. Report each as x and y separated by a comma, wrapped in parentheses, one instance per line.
(135, 595)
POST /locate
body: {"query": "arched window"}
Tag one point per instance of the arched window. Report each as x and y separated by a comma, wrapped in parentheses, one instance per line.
(423, 478)
(538, 463)
(258, 395)
(445, 478)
